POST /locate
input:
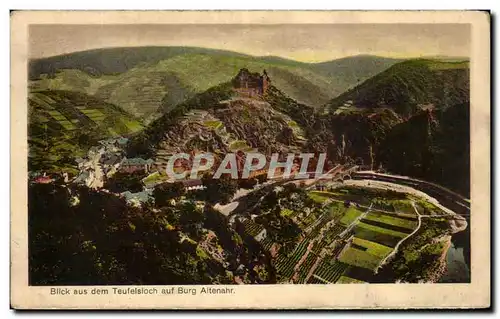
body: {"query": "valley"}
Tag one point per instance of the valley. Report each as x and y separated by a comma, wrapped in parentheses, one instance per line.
(105, 124)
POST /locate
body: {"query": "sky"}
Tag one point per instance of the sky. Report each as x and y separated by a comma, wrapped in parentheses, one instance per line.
(301, 42)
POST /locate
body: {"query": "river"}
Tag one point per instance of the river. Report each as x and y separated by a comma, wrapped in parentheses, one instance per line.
(458, 270)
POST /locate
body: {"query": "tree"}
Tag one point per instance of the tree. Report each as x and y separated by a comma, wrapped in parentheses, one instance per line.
(191, 220)
(247, 183)
(123, 181)
(270, 201)
(219, 190)
(163, 193)
(262, 178)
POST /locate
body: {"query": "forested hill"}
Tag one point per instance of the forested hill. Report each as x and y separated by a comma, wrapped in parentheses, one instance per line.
(409, 86)
(433, 145)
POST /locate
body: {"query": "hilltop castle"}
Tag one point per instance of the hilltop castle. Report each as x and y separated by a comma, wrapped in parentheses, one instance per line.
(251, 84)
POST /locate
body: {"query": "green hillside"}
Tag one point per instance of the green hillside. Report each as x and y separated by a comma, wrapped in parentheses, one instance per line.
(63, 125)
(409, 86)
(146, 80)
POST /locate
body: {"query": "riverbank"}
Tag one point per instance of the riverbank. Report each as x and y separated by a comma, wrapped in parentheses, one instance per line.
(457, 269)
(441, 266)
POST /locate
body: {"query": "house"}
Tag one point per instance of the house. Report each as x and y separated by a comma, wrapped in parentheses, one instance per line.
(192, 184)
(131, 165)
(43, 180)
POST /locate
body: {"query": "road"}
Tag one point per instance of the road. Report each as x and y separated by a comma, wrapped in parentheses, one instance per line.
(456, 202)
(400, 188)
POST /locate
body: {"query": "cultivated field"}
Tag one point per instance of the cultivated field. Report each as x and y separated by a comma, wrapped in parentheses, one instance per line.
(345, 235)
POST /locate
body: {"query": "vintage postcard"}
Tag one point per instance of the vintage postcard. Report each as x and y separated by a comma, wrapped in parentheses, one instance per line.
(250, 160)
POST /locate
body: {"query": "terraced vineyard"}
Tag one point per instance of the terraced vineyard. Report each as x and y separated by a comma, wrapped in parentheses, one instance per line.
(285, 264)
(369, 239)
(252, 228)
(267, 243)
(63, 125)
(375, 236)
(334, 231)
(329, 235)
(77, 110)
(319, 245)
(399, 224)
(306, 267)
(324, 219)
(385, 228)
(329, 271)
(372, 248)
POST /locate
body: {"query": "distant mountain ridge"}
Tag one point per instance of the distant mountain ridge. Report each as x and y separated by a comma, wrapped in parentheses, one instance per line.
(111, 61)
(144, 81)
(354, 67)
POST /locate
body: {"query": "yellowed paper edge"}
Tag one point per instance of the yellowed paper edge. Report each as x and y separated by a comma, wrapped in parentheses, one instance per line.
(475, 294)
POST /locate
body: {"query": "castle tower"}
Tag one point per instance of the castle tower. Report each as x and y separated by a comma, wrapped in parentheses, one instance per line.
(251, 84)
(265, 82)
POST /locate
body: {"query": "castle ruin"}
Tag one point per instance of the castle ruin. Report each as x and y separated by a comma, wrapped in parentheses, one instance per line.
(251, 84)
